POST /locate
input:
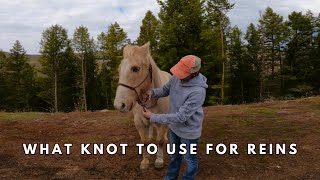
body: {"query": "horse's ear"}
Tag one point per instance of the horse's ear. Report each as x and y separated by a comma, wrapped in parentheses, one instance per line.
(146, 47)
(126, 49)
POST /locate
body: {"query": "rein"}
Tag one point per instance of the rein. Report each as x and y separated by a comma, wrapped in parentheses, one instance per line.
(142, 103)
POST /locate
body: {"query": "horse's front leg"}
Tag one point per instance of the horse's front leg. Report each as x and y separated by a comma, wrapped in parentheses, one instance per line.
(161, 140)
(143, 130)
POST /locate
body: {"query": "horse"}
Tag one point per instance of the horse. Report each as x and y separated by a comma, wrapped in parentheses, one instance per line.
(138, 73)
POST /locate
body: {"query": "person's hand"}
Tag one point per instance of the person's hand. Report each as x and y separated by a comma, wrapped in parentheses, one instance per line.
(146, 113)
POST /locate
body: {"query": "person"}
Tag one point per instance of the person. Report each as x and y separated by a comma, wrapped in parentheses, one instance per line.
(187, 90)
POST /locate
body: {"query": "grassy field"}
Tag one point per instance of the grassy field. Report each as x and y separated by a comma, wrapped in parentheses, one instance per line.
(34, 61)
(277, 122)
(9, 116)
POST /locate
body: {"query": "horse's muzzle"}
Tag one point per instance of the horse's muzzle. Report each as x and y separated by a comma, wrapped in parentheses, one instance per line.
(122, 107)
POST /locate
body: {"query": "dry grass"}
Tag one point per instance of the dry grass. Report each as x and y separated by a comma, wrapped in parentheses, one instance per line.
(10, 116)
(295, 121)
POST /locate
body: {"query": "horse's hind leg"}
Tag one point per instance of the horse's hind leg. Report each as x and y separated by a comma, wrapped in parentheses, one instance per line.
(161, 133)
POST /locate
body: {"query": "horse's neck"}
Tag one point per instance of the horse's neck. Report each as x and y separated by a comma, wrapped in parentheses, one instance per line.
(156, 73)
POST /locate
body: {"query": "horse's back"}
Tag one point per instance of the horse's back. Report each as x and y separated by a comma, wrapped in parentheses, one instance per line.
(163, 103)
(164, 76)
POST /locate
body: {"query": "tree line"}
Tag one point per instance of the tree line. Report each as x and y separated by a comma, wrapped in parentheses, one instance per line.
(275, 58)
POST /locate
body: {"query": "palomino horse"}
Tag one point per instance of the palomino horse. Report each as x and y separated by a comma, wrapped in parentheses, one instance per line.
(137, 74)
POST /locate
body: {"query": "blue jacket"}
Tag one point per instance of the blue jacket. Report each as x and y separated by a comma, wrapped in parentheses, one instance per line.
(186, 99)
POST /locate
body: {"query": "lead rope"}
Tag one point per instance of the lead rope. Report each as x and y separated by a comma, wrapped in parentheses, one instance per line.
(144, 104)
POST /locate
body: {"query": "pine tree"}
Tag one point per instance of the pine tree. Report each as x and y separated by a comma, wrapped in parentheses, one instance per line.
(59, 69)
(84, 46)
(2, 56)
(217, 10)
(316, 57)
(237, 66)
(3, 87)
(104, 80)
(149, 32)
(103, 74)
(180, 30)
(300, 54)
(273, 30)
(253, 55)
(112, 45)
(19, 77)
(211, 57)
(68, 76)
(92, 77)
(274, 34)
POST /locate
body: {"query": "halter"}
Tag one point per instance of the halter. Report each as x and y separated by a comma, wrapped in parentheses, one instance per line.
(142, 103)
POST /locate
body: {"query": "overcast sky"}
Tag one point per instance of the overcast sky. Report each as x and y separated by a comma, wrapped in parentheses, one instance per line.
(26, 20)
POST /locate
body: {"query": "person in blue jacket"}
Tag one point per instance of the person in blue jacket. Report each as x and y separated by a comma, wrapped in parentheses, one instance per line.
(187, 90)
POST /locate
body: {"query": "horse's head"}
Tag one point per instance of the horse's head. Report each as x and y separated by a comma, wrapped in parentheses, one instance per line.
(134, 76)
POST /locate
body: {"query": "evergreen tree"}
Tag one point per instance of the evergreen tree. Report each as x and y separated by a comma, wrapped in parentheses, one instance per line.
(180, 30)
(103, 74)
(68, 76)
(272, 58)
(149, 32)
(237, 66)
(3, 87)
(19, 79)
(300, 54)
(104, 80)
(274, 34)
(112, 45)
(216, 11)
(59, 69)
(273, 31)
(101, 38)
(316, 57)
(2, 56)
(84, 46)
(244, 65)
(211, 58)
(253, 56)
(93, 98)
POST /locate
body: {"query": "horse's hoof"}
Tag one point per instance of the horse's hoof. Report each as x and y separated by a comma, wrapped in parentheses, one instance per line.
(144, 166)
(159, 164)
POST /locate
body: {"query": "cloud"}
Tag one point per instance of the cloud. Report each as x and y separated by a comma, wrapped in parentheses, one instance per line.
(247, 11)
(26, 20)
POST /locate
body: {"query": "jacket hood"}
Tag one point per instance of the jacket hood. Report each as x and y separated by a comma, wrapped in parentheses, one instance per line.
(200, 81)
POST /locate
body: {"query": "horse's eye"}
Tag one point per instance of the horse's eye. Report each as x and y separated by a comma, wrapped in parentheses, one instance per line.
(135, 69)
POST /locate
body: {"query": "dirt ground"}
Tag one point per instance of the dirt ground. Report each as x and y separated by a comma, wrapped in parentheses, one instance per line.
(283, 122)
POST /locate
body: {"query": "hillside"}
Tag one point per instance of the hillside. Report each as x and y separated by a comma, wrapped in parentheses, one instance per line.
(279, 122)
(34, 60)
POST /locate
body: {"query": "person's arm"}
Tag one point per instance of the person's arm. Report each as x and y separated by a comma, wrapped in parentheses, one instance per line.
(192, 104)
(162, 91)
